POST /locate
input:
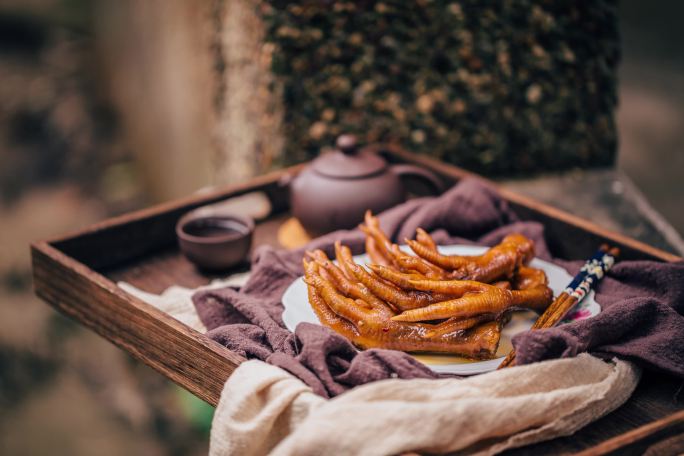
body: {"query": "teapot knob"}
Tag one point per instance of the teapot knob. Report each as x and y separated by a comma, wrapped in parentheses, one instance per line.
(346, 144)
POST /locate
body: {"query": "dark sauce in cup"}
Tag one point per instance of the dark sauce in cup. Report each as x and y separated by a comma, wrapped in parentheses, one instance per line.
(215, 227)
(215, 241)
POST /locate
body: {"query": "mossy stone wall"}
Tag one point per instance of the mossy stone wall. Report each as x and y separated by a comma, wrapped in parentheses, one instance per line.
(499, 87)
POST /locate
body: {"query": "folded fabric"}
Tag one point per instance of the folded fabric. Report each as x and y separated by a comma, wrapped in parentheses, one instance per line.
(177, 301)
(641, 320)
(264, 410)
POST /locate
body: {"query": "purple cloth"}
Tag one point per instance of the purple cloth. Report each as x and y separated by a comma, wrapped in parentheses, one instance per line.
(642, 320)
(643, 302)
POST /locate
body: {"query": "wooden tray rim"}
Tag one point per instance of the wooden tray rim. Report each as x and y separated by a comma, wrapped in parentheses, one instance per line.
(215, 362)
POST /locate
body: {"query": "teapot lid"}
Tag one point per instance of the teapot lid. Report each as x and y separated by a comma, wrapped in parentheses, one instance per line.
(347, 161)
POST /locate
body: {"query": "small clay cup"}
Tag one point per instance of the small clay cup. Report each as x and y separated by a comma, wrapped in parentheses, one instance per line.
(215, 240)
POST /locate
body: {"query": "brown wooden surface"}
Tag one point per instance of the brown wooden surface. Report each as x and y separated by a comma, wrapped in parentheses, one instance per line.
(137, 234)
(77, 274)
(568, 236)
(657, 396)
(167, 267)
(187, 357)
(664, 436)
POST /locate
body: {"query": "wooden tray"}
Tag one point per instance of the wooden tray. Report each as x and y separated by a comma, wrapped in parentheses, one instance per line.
(77, 274)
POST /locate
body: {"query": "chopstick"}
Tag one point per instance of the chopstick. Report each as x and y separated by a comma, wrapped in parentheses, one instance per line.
(580, 286)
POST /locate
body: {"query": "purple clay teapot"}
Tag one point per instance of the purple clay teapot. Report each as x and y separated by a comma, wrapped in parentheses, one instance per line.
(338, 187)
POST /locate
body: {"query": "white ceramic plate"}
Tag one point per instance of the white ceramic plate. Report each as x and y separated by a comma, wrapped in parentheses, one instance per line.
(298, 310)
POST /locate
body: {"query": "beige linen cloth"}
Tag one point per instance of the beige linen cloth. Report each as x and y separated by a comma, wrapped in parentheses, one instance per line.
(263, 409)
(177, 301)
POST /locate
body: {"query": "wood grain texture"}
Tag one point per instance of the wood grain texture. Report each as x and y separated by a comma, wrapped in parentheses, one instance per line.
(178, 352)
(656, 397)
(76, 274)
(658, 436)
(155, 273)
(143, 232)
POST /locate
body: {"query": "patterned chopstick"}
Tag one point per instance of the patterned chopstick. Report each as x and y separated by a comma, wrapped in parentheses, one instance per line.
(586, 279)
